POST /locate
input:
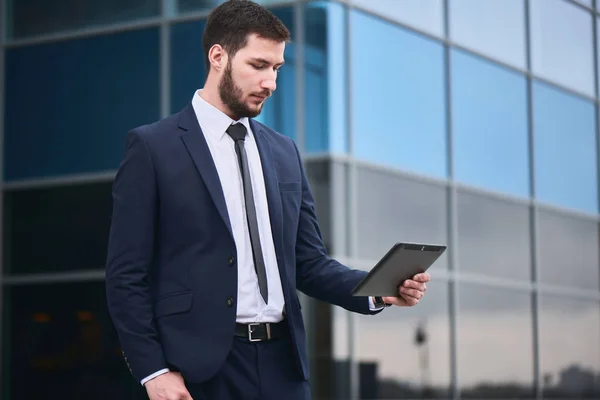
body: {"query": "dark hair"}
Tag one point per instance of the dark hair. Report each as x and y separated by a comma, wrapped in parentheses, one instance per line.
(230, 23)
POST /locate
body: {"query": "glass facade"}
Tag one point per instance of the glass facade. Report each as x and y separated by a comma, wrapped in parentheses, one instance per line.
(469, 123)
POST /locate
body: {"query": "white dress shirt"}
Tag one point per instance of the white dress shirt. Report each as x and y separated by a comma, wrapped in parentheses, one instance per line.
(250, 305)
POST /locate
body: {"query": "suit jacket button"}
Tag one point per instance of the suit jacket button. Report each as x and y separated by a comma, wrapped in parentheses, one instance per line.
(231, 260)
(230, 302)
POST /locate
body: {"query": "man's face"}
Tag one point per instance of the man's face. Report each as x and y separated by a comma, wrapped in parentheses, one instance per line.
(250, 76)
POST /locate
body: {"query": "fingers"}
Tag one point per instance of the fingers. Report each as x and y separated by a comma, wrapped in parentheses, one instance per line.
(409, 300)
(410, 284)
(424, 277)
(407, 293)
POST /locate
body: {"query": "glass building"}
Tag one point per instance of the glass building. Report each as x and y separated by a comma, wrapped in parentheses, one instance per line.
(468, 123)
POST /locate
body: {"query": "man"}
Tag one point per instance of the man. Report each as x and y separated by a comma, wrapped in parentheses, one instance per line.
(214, 229)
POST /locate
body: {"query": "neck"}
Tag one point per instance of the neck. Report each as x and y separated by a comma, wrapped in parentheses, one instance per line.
(210, 94)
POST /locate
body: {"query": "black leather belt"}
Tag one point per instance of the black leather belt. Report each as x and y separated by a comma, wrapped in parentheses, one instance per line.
(260, 331)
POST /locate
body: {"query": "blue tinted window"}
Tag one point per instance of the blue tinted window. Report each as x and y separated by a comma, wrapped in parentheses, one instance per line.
(426, 15)
(70, 104)
(188, 70)
(565, 149)
(325, 78)
(198, 5)
(398, 100)
(561, 44)
(188, 73)
(495, 28)
(36, 17)
(597, 51)
(489, 120)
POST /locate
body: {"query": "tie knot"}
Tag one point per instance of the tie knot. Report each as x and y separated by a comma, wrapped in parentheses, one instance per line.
(237, 131)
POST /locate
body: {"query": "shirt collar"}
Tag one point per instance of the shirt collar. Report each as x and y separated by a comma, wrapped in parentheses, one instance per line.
(211, 119)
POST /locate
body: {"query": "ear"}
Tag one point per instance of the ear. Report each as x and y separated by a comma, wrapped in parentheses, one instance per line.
(217, 56)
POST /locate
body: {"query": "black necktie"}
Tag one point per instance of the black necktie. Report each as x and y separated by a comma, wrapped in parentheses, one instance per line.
(238, 134)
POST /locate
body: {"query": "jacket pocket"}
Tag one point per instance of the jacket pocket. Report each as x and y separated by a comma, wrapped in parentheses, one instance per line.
(173, 304)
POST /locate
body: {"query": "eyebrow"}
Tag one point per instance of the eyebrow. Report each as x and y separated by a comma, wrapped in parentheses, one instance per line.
(262, 60)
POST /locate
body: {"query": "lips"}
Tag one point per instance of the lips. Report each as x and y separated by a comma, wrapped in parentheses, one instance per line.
(260, 97)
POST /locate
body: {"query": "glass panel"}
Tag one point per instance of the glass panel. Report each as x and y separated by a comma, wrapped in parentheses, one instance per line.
(200, 5)
(57, 229)
(319, 177)
(562, 44)
(493, 237)
(400, 121)
(565, 149)
(492, 321)
(489, 122)
(394, 209)
(325, 78)
(98, 91)
(404, 353)
(426, 15)
(37, 17)
(570, 358)
(188, 73)
(568, 250)
(484, 26)
(188, 68)
(58, 338)
(598, 51)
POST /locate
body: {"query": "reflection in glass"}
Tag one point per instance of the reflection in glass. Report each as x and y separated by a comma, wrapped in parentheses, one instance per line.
(598, 52)
(37, 17)
(401, 121)
(98, 92)
(405, 352)
(188, 68)
(586, 2)
(325, 84)
(495, 343)
(494, 28)
(568, 250)
(319, 178)
(394, 209)
(493, 237)
(565, 149)
(489, 122)
(188, 73)
(426, 15)
(562, 44)
(60, 228)
(58, 338)
(569, 347)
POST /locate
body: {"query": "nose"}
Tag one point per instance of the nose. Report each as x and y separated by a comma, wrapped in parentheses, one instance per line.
(269, 84)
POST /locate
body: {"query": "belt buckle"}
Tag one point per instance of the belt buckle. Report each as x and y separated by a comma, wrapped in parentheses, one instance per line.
(250, 331)
(267, 325)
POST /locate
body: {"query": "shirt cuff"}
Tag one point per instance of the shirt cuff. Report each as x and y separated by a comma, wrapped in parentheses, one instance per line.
(372, 305)
(154, 375)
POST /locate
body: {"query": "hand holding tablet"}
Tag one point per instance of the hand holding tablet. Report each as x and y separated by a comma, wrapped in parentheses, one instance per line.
(403, 261)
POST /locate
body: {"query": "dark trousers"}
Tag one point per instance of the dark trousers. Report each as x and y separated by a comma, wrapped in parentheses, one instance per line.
(255, 371)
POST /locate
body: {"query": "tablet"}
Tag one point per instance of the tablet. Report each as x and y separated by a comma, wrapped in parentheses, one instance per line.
(401, 262)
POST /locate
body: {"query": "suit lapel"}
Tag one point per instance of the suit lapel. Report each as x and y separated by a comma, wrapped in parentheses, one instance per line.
(198, 148)
(272, 189)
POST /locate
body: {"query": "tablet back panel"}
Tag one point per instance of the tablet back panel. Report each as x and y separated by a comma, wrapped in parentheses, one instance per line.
(402, 261)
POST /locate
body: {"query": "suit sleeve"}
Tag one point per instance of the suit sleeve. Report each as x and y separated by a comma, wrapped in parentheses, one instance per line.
(129, 259)
(317, 274)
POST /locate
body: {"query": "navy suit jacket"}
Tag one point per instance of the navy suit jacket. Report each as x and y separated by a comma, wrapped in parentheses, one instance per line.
(171, 272)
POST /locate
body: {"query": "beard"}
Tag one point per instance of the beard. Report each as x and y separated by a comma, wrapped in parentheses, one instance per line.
(231, 96)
